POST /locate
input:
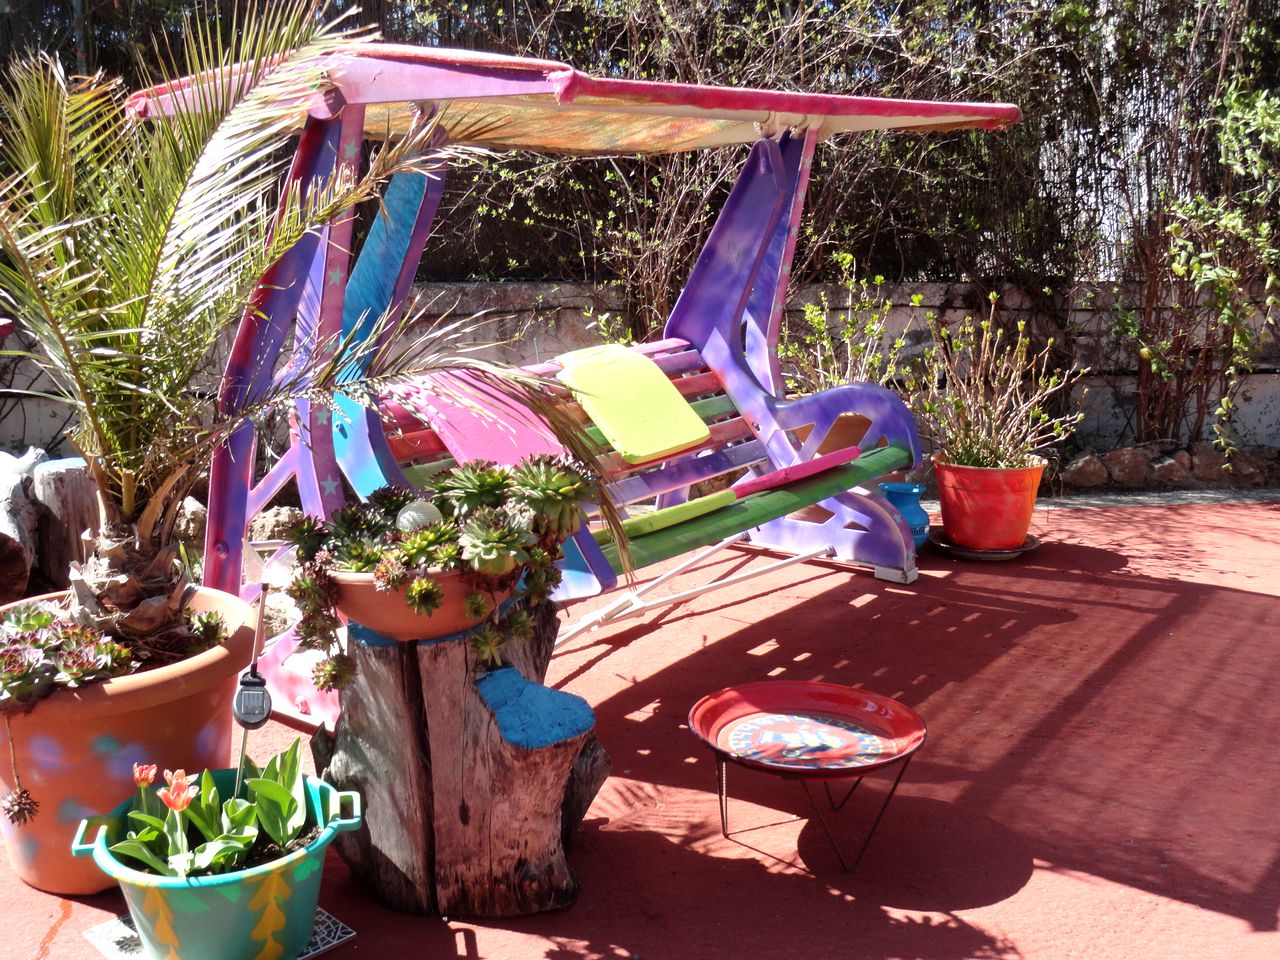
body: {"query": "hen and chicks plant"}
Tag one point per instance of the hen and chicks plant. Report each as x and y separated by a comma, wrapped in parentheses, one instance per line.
(496, 526)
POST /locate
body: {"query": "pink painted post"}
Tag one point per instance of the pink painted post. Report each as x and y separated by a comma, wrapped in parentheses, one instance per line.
(249, 373)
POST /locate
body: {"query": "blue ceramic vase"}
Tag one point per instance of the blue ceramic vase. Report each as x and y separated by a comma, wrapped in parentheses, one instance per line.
(906, 498)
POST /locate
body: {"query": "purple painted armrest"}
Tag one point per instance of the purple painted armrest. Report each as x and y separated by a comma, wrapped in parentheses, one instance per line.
(798, 471)
(890, 420)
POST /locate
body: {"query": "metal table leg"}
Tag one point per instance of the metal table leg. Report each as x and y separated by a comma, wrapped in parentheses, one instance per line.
(722, 792)
(822, 819)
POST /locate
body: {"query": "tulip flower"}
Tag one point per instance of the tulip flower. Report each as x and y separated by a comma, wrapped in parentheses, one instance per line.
(179, 794)
(144, 774)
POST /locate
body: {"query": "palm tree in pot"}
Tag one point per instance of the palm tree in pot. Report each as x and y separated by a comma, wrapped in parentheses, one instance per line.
(127, 251)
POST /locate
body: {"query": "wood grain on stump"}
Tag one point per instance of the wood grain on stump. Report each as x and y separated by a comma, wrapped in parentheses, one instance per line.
(472, 777)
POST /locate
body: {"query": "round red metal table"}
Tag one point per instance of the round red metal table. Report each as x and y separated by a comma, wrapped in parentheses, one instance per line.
(811, 732)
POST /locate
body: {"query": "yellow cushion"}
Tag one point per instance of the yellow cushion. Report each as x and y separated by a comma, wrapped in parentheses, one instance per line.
(631, 401)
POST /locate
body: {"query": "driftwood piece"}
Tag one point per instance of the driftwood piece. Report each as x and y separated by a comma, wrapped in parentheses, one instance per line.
(378, 750)
(67, 490)
(484, 773)
(592, 766)
(19, 521)
(590, 770)
(497, 792)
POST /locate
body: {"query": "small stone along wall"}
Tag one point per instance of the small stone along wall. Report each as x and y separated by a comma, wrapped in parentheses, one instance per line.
(1163, 466)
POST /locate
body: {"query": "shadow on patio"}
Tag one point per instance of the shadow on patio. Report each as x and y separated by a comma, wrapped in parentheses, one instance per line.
(1098, 779)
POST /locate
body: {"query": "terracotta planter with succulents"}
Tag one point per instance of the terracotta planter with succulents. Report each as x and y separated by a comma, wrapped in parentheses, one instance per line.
(412, 567)
(79, 745)
(389, 613)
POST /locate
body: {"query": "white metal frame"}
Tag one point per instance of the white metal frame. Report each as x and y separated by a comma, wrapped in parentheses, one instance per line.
(636, 602)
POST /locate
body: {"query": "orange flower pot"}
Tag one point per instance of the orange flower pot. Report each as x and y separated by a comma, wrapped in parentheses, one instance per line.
(388, 612)
(985, 508)
(77, 748)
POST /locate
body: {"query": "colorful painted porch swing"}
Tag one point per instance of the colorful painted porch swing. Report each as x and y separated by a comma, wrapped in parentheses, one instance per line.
(726, 322)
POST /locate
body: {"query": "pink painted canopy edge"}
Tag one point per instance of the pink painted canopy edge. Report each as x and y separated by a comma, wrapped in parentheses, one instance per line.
(569, 86)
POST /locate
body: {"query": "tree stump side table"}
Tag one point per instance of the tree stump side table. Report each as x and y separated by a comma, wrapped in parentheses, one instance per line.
(473, 779)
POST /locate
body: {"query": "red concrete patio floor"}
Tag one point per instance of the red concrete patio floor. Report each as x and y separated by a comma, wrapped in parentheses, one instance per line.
(1100, 778)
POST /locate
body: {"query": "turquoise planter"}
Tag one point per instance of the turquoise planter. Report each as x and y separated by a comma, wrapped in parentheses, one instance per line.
(264, 913)
(906, 498)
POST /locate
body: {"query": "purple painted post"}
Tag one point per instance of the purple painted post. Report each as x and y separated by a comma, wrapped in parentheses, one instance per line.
(764, 312)
(709, 314)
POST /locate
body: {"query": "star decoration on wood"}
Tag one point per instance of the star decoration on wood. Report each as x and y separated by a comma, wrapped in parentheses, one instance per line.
(330, 485)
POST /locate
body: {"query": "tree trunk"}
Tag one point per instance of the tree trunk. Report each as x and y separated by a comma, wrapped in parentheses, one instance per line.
(472, 778)
(66, 488)
(19, 521)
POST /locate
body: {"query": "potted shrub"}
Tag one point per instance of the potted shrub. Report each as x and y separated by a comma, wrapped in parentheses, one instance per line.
(224, 866)
(983, 398)
(126, 251)
(416, 566)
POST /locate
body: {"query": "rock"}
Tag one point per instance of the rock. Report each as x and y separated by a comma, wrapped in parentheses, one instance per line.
(191, 519)
(1183, 459)
(1085, 471)
(1168, 472)
(272, 524)
(1128, 466)
(1207, 462)
(70, 497)
(1247, 470)
(281, 613)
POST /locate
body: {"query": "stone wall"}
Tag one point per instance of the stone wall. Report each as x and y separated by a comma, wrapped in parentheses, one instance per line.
(530, 322)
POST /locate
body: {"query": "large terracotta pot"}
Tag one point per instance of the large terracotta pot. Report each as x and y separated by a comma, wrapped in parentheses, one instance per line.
(76, 749)
(984, 508)
(388, 612)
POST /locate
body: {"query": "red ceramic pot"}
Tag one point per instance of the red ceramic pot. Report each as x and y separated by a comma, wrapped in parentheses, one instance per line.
(388, 612)
(985, 508)
(76, 749)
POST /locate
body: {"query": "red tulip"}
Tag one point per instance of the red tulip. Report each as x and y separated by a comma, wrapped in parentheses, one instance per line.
(144, 774)
(180, 792)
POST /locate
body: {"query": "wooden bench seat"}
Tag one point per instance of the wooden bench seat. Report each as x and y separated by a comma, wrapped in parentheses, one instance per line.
(733, 449)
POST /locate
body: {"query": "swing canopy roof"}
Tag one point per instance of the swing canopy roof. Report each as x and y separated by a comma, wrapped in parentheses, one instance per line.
(502, 102)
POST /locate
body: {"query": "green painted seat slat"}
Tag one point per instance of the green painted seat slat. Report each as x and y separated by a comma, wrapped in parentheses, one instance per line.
(758, 508)
(647, 523)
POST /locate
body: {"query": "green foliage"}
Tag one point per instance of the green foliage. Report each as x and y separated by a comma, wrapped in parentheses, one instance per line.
(423, 595)
(201, 834)
(130, 247)
(982, 397)
(901, 204)
(817, 354)
(470, 487)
